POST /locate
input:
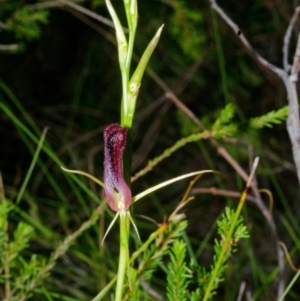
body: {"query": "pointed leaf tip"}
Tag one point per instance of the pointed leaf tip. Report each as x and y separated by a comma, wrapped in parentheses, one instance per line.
(158, 33)
(161, 185)
(79, 172)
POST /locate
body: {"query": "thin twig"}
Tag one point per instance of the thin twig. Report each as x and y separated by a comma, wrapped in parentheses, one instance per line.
(150, 137)
(221, 192)
(2, 25)
(241, 291)
(293, 120)
(48, 4)
(293, 124)
(292, 127)
(249, 296)
(168, 152)
(146, 286)
(293, 117)
(296, 62)
(287, 38)
(185, 109)
(10, 47)
(88, 12)
(243, 39)
(223, 152)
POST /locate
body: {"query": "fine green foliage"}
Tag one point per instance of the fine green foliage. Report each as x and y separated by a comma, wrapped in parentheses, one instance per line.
(28, 271)
(135, 294)
(22, 235)
(168, 152)
(206, 276)
(225, 116)
(222, 250)
(182, 272)
(177, 273)
(152, 258)
(225, 223)
(5, 208)
(185, 26)
(223, 126)
(19, 271)
(269, 119)
(26, 24)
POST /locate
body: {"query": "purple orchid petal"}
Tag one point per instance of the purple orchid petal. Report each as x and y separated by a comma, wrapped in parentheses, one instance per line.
(116, 190)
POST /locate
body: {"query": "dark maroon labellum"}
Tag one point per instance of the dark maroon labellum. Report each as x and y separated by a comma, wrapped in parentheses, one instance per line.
(117, 191)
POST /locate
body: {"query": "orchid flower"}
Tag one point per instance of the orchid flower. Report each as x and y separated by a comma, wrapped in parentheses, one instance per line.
(118, 194)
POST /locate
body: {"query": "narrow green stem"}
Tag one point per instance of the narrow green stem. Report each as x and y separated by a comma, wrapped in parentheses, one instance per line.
(131, 15)
(31, 167)
(230, 233)
(132, 24)
(124, 104)
(290, 286)
(126, 115)
(130, 51)
(223, 252)
(127, 10)
(134, 256)
(124, 254)
(126, 121)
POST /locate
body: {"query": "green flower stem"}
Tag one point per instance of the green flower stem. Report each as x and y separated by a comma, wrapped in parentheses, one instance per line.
(134, 256)
(130, 89)
(132, 16)
(225, 246)
(124, 254)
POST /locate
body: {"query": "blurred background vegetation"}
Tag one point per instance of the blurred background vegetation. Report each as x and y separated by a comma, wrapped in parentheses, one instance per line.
(59, 69)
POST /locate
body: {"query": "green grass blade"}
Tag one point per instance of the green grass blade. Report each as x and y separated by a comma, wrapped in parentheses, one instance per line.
(31, 167)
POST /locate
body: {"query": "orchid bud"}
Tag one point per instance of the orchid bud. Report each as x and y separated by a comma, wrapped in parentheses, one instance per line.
(117, 192)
